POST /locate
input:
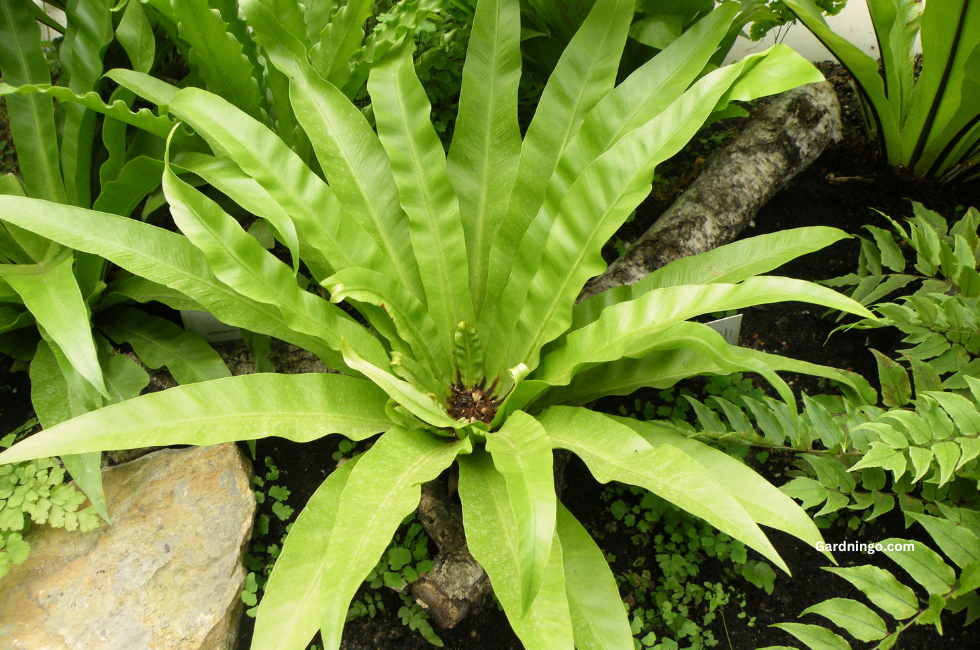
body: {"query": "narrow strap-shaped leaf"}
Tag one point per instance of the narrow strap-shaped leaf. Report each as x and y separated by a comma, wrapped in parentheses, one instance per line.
(217, 56)
(896, 24)
(357, 169)
(950, 35)
(765, 503)
(158, 342)
(88, 34)
(642, 96)
(882, 107)
(247, 407)
(585, 73)
(492, 538)
(239, 261)
(229, 179)
(521, 452)
(383, 489)
(613, 451)
(289, 614)
(143, 290)
(339, 40)
(486, 147)
(424, 407)
(881, 588)
(741, 260)
(469, 354)
(412, 321)
(161, 256)
(114, 139)
(135, 35)
(622, 327)
(50, 291)
(329, 242)
(599, 621)
(31, 116)
(137, 179)
(142, 118)
(149, 88)
(680, 351)
(418, 163)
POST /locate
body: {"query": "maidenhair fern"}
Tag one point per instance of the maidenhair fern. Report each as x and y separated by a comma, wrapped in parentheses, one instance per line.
(35, 492)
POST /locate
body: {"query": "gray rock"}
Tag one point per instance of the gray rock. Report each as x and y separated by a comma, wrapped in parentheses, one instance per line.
(167, 573)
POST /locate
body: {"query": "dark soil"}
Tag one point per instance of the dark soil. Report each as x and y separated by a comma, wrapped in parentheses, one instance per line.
(813, 198)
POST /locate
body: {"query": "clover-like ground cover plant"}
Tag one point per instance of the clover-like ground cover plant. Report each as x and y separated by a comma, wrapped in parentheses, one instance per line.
(467, 269)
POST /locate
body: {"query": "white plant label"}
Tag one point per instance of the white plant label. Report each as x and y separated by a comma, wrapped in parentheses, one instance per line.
(210, 328)
(728, 327)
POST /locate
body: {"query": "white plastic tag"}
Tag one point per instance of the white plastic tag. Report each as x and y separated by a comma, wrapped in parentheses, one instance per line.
(728, 327)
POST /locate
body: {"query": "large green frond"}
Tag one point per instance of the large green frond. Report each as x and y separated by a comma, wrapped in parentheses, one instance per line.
(613, 451)
(492, 538)
(383, 489)
(248, 407)
(418, 163)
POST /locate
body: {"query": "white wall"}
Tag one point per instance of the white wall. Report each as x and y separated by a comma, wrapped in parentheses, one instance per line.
(853, 23)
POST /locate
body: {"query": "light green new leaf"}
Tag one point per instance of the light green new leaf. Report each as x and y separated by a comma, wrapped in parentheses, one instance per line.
(923, 564)
(957, 542)
(469, 354)
(248, 407)
(217, 56)
(626, 327)
(50, 291)
(814, 636)
(760, 499)
(418, 163)
(289, 614)
(881, 588)
(521, 452)
(158, 342)
(412, 321)
(239, 261)
(613, 451)
(492, 537)
(31, 116)
(164, 257)
(424, 407)
(486, 147)
(136, 37)
(599, 621)
(383, 489)
(854, 616)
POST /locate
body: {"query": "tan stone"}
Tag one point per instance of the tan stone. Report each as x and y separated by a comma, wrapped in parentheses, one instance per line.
(167, 573)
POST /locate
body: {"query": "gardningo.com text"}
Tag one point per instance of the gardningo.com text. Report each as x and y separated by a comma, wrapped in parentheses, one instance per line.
(864, 547)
